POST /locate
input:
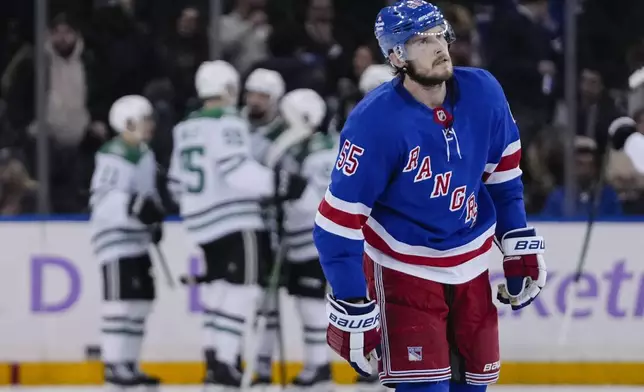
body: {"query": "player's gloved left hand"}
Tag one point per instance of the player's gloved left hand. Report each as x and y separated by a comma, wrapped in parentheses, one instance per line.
(156, 232)
(354, 332)
(523, 266)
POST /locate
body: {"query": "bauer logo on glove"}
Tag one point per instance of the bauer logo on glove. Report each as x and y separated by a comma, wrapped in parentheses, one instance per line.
(354, 324)
(354, 332)
(523, 266)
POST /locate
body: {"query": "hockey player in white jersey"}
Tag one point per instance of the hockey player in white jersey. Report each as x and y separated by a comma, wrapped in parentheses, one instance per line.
(312, 155)
(126, 217)
(219, 189)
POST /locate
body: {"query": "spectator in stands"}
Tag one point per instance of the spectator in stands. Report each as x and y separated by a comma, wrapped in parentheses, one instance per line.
(244, 34)
(521, 56)
(586, 171)
(465, 50)
(73, 102)
(69, 84)
(17, 190)
(595, 110)
(130, 58)
(185, 50)
(322, 44)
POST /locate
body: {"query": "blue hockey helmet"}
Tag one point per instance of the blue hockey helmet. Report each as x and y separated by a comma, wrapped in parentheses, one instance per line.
(397, 23)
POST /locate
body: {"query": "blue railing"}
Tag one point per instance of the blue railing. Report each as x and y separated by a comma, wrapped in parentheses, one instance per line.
(84, 217)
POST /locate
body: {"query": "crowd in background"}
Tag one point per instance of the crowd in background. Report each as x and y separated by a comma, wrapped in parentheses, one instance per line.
(99, 51)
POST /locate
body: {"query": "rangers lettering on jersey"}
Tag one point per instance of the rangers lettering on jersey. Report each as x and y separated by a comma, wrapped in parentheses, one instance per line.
(419, 191)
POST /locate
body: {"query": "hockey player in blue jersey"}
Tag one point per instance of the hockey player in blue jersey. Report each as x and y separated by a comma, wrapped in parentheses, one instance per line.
(427, 178)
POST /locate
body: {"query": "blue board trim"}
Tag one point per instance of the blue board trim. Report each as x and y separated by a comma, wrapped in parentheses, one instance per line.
(84, 218)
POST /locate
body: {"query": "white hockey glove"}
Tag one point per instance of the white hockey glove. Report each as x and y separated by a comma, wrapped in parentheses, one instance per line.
(354, 332)
(523, 266)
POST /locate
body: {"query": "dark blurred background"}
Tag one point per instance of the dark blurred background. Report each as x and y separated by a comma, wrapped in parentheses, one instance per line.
(96, 51)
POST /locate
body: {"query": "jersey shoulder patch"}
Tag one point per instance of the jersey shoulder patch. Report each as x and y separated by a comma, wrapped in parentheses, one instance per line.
(117, 146)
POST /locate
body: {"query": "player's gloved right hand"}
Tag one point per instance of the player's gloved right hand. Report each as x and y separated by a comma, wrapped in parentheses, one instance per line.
(146, 209)
(523, 266)
(354, 332)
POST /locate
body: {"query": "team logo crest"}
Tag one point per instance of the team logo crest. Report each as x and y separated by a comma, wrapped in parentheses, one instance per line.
(415, 354)
(441, 115)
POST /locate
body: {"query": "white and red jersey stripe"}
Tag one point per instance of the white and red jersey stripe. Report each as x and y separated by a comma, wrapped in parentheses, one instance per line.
(507, 168)
(452, 266)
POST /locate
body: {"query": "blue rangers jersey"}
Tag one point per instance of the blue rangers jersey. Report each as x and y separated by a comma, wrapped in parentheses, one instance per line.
(422, 191)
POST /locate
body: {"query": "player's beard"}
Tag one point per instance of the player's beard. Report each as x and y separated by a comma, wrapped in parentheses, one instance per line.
(256, 114)
(425, 80)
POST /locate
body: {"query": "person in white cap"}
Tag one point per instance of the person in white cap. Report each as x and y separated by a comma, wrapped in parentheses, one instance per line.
(126, 217)
(220, 189)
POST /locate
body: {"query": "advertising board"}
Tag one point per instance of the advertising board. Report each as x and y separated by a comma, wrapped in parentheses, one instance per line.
(50, 309)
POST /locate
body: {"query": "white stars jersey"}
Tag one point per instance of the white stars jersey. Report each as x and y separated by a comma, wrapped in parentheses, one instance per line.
(122, 170)
(213, 176)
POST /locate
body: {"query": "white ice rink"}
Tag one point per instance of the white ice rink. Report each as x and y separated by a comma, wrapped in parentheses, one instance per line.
(346, 389)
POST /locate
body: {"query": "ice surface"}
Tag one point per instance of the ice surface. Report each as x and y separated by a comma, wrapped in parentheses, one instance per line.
(505, 388)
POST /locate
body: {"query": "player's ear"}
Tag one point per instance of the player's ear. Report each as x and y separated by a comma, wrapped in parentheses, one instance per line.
(396, 61)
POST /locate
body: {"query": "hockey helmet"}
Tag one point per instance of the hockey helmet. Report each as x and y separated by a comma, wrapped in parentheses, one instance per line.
(129, 109)
(303, 106)
(374, 76)
(267, 82)
(217, 79)
(398, 23)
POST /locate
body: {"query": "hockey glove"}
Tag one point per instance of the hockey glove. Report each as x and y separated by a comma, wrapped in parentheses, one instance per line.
(291, 186)
(523, 266)
(146, 209)
(354, 332)
(156, 233)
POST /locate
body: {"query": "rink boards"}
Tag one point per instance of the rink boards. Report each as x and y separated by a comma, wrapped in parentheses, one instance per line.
(49, 315)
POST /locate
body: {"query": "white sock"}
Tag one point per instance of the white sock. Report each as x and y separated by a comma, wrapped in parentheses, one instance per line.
(122, 330)
(314, 322)
(213, 295)
(239, 303)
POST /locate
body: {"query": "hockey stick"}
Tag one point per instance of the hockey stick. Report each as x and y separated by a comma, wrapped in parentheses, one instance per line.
(164, 265)
(592, 215)
(262, 319)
